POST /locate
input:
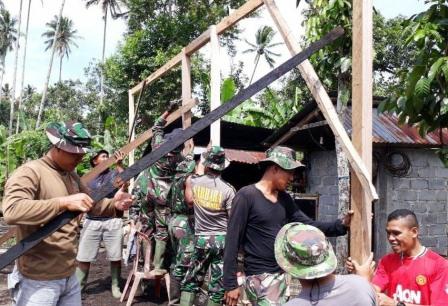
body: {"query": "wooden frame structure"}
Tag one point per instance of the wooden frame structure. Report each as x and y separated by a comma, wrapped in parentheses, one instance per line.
(358, 153)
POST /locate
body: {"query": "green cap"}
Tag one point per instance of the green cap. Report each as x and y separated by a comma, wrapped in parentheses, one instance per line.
(70, 136)
(284, 157)
(215, 158)
(304, 252)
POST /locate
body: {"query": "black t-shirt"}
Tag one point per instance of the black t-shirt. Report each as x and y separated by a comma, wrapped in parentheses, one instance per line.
(253, 225)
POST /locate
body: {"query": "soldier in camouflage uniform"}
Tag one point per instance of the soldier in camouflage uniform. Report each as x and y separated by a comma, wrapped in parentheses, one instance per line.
(259, 211)
(153, 187)
(212, 198)
(180, 227)
(304, 252)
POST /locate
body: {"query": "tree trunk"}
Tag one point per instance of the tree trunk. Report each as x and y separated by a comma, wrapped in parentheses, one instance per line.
(3, 62)
(53, 49)
(60, 68)
(23, 66)
(16, 58)
(100, 119)
(343, 175)
(255, 68)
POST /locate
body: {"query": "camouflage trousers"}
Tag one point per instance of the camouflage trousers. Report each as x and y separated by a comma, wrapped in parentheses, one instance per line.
(181, 234)
(208, 253)
(162, 215)
(266, 289)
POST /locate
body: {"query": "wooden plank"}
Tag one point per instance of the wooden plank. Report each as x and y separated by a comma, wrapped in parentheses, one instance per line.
(86, 178)
(36, 237)
(186, 92)
(203, 39)
(131, 155)
(215, 85)
(362, 54)
(324, 102)
(293, 130)
(158, 73)
(224, 24)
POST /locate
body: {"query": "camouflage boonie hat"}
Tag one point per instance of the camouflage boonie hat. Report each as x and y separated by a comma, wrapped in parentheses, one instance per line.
(215, 158)
(70, 136)
(304, 252)
(284, 157)
(187, 165)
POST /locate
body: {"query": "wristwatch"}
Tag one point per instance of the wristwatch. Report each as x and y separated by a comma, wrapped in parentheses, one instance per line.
(401, 304)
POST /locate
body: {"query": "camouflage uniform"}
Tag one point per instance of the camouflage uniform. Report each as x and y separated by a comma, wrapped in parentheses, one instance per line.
(180, 227)
(266, 289)
(208, 252)
(142, 210)
(212, 198)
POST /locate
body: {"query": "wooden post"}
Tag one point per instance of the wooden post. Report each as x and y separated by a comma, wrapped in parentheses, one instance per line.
(186, 91)
(215, 86)
(361, 233)
(324, 102)
(132, 133)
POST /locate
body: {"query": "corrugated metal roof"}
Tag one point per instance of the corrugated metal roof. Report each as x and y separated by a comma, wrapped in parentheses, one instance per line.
(242, 156)
(387, 130)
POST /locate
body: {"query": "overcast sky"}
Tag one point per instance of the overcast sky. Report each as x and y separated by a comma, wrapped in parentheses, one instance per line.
(89, 24)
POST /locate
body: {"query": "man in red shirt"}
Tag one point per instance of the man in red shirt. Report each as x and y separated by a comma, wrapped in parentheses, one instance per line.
(412, 274)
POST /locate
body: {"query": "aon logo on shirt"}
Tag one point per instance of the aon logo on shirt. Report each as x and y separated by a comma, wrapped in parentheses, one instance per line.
(407, 295)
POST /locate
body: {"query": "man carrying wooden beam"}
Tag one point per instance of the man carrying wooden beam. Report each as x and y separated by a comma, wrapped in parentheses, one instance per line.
(37, 192)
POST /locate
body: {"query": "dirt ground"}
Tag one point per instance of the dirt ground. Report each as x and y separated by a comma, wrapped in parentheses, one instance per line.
(97, 291)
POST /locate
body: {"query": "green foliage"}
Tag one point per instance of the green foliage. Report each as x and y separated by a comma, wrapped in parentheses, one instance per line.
(158, 30)
(17, 149)
(423, 100)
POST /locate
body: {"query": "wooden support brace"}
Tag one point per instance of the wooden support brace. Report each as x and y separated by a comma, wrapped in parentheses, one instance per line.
(186, 93)
(323, 100)
(86, 178)
(215, 85)
(203, 39)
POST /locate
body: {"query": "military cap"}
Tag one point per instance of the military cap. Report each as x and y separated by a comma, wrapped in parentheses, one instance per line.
(215, 158)
(70, 136)
(304, 252)
(284, 157)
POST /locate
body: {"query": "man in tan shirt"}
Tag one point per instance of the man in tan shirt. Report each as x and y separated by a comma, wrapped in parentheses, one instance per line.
(36, 193)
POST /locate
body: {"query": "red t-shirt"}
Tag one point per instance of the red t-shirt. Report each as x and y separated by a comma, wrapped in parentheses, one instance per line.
(421, 280)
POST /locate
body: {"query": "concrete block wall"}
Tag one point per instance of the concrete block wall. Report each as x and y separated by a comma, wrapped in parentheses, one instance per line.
(423, 190)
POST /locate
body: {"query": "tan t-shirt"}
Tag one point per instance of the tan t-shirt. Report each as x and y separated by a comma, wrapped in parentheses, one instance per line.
(30, 202)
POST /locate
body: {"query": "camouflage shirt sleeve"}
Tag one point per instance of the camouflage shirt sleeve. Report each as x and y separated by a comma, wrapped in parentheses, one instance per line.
(158, 133)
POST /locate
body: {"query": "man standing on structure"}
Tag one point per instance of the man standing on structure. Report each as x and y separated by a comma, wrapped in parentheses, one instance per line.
(259, 212)
(37, 192)
(102, 228)
(212, 198)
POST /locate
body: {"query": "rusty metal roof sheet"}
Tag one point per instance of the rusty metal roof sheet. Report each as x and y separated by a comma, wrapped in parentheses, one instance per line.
(387, 130)
(242, 156)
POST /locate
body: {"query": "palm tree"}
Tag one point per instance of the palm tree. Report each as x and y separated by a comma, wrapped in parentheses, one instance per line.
(112, 6)
(263, 39)
(23, 66)
(64, 39)
(8, 35)
(53, 50)
(16, 57)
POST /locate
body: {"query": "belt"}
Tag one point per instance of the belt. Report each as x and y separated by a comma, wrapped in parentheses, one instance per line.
(98, 218)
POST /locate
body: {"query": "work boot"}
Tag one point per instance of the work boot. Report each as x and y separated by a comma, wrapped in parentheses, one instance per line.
(115, 274)
(159, 256)
(211, 303)
(187, 298)
(174, 290)
(82, 276)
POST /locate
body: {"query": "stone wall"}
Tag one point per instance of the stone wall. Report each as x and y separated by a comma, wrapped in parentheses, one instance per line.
(423, 190)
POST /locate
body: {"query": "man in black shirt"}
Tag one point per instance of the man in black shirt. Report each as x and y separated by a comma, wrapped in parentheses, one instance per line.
(258, 213)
